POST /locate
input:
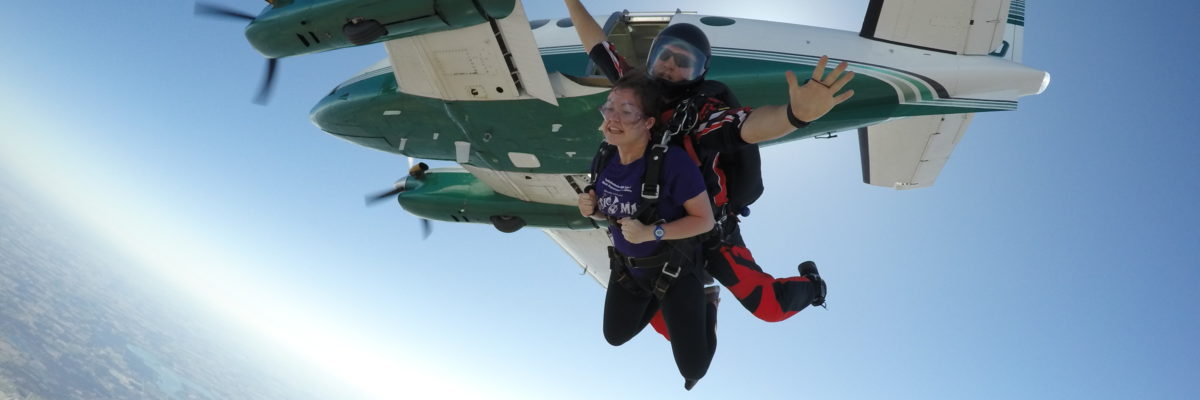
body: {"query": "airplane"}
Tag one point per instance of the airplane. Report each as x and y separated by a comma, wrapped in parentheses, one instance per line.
(513, 102)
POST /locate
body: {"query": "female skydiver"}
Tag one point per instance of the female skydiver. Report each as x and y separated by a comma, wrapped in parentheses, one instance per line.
(653, 262)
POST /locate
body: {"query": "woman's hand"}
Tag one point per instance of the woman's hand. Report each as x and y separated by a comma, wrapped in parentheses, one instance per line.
(587, 203)
(635, 232)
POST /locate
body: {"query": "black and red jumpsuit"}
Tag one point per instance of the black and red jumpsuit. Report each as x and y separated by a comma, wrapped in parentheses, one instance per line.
(717, 146)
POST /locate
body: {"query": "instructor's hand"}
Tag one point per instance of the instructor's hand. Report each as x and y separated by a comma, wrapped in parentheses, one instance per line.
(819, 94)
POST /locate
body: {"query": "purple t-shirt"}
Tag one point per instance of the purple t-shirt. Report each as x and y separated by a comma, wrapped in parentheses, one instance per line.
(619, 190)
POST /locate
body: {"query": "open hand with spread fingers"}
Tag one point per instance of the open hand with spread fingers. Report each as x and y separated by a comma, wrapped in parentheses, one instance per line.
(818, 95)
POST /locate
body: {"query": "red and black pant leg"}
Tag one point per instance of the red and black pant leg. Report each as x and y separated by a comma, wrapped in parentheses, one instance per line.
(768, 298)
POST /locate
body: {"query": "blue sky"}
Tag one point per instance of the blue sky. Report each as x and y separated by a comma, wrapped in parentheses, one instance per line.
(1053, 259)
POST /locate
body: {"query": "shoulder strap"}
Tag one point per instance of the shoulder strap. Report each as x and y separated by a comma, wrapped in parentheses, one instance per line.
(647, 211)
(604, 153)
(683, 120)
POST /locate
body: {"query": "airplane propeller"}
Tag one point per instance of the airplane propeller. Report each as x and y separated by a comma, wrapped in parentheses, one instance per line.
(415, 172)
(426, 228)
(373, 199)
(264, 90)
(221, 11)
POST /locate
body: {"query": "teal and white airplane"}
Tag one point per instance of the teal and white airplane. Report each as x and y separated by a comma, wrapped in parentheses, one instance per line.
(513, 102)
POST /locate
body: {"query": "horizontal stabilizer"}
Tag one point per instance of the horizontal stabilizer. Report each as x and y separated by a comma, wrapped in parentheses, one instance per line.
(948, 26)
(909, 153)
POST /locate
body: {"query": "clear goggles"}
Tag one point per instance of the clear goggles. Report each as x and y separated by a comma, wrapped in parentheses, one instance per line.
(623, 113)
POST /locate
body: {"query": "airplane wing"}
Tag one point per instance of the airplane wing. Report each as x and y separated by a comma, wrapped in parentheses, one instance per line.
(909, 153)
(497, 60)
(587, 247)
(948, 26)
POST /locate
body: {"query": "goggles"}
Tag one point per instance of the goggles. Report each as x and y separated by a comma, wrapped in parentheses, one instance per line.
(688, 61)
(623, 113)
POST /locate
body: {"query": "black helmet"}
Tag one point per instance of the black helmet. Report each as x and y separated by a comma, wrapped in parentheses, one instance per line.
(681, 52)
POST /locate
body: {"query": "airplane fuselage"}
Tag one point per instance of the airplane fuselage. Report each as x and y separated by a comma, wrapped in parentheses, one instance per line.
(511, 146)
(892, 81)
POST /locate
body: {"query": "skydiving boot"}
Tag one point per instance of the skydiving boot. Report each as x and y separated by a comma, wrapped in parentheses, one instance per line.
(808, 269)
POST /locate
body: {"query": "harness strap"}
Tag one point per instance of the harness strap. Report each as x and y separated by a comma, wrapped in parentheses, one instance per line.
(650, 181)
(599, 161)
(667, 272)
(654, 261)
(621, 275)
(668, 264)
(666, 278)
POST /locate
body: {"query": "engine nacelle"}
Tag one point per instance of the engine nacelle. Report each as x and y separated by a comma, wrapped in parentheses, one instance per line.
(454, 195)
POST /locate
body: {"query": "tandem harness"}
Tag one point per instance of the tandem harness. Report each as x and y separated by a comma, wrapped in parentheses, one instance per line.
(668, 270)
(675, 257)
(741, 181)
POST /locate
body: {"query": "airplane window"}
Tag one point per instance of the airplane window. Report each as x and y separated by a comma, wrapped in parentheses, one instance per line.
(565, 23)
(538, 23)
(717, 21)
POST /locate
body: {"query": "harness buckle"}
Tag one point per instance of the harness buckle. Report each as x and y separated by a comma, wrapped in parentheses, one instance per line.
(648, 194)
(667, 270)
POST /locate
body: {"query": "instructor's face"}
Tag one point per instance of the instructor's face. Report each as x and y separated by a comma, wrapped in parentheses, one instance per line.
(673, 64)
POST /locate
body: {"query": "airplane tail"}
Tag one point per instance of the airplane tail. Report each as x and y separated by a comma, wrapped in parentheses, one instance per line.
(1014, 33)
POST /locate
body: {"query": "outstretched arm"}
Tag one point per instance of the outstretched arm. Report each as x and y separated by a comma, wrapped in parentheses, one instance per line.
(590, 33)
(808, 102)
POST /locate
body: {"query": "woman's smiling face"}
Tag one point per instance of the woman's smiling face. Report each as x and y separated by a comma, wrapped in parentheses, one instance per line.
(624, 121)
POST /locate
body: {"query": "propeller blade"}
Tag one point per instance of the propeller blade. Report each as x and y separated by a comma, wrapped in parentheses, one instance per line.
(401, 186)
(219, 11)
(264, 91)
(376, 198)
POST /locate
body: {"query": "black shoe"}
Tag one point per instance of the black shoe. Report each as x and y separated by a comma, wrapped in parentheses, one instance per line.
(808, 269)
(688, 384)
